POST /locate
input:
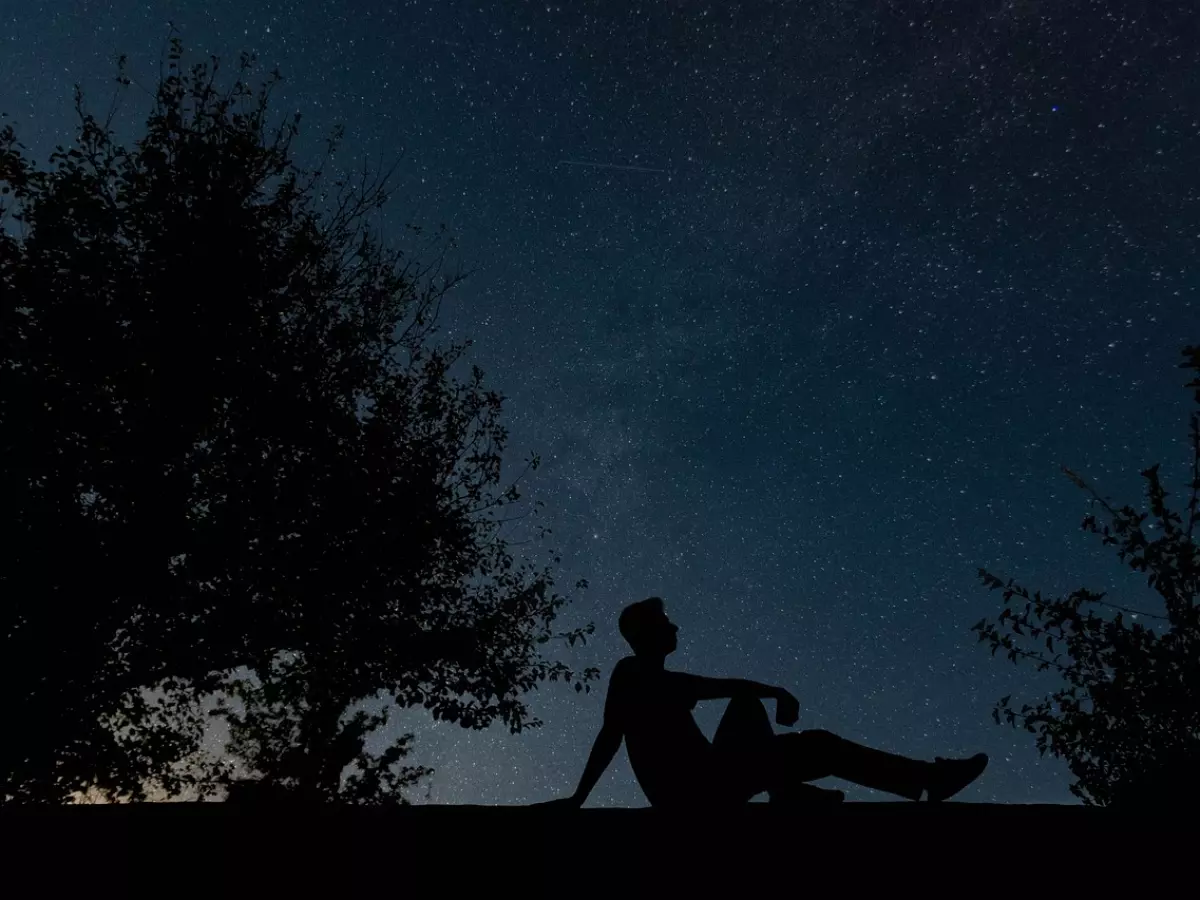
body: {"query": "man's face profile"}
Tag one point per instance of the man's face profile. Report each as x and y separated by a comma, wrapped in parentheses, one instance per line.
(662, 633)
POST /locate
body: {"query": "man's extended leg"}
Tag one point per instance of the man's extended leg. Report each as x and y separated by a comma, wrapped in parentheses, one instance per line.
(815, 754)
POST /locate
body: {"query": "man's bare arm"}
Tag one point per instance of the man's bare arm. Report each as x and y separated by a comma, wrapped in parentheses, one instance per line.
(718, 688)
(607, 743)
(787, 707)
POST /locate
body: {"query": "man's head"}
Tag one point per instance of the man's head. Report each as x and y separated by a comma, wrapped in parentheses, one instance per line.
(647, 629)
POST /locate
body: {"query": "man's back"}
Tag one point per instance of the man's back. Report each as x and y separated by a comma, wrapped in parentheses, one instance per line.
(653, 709)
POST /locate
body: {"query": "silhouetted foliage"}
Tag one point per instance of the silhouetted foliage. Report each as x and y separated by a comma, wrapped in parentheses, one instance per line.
(1127, 721)
(236, 463)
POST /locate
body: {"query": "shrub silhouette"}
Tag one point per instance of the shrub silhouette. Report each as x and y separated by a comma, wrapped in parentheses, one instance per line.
(1127, 721)
(236, 462)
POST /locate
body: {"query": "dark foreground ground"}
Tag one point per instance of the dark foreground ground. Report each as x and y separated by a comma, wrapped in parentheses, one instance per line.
(446, 851)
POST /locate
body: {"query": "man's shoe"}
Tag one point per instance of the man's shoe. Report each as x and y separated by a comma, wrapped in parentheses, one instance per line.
(949, 776)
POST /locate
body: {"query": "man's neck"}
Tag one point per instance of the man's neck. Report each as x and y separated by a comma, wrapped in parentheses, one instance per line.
(652, 661)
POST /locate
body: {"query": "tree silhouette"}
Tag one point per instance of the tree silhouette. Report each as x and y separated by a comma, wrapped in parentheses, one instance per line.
(236, 462)
(1127, 721)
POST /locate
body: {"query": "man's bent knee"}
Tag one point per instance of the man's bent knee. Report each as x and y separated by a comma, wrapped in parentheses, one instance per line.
(745, 724)
(747, 703)
(748, 713)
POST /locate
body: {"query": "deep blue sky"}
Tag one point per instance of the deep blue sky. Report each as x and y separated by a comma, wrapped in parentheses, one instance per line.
(900, 261)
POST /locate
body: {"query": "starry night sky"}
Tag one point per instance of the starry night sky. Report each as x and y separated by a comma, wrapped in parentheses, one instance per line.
(871, 272)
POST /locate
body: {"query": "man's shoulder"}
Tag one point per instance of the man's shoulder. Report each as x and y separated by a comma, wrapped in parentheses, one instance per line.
(625, 667)
(633, 671)
(631, 665)
(627, 671)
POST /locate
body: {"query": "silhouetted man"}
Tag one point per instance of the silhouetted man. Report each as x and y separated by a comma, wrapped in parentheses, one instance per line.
(676, 765)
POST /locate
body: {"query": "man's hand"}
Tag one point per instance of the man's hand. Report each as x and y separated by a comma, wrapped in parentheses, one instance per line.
(787, 708)
(562, 803)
